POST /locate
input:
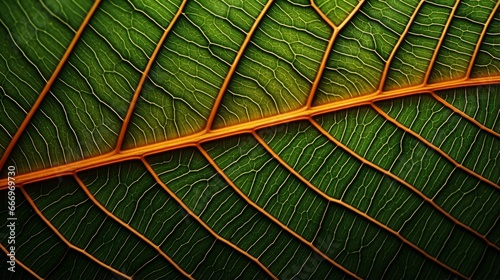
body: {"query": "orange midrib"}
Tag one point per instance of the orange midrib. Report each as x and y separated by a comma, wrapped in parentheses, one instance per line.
(204, 136)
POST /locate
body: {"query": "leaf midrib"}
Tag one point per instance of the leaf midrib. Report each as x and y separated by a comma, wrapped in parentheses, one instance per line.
(305, 112)
(205, 136)
(208, 134)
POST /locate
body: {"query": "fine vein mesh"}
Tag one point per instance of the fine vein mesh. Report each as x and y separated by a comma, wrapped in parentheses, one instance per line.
(278, 66)
(462, 140)
(336, 10)
(340, 176)
(487, 61)
(481, 103)
(184, 81)
(412, 59)
(42, 251)
(455, 54)
(87, 227)
(206, 193)
(425, 223)
(82, 114)
(347, 237)
(33, 38)
(135, 198)
(362, 48)
(258, 214)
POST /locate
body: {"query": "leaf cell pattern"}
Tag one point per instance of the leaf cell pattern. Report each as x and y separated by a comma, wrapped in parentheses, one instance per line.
(230, 139)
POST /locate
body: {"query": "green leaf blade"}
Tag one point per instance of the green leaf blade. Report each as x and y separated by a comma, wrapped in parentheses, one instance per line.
(285, 139)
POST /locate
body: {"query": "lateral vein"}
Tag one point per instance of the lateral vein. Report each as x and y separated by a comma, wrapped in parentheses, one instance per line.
(48, 85)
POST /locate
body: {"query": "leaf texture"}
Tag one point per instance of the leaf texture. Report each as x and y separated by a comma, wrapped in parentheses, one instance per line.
(287, 139)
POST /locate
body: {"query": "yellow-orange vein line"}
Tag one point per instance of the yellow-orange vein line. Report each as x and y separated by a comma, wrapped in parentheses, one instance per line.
(21, 264)
(128, 227)
(403, 182)
(201, 222)
(321, 68)
(480, 40)
(48, 85)
(328, 49)
(323, 16)
(351, 14)
(440, 42)
(432, 146)
(464, 115)
(69, 244)
(130, 111)
(192, 139)
(350, 207)
(396, 47)
(271, 217)
(235, 64)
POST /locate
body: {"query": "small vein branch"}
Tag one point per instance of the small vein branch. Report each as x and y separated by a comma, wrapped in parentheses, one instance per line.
(432, 146)
(130, 111)
(69, 244)
(481, 37)
(464, 115)
(235, 64)
(403, 182)
(326, 55)
(201, 222)
(396, 47)
(272, 218)
(323, 15)
(25, 267)
(48, 85)
(128, 227)
(440, 42)
(351, 208)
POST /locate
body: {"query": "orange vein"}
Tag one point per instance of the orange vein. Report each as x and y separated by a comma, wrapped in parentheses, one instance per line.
(130, 111)
(21, 264)
(464, 115)
(350, 207)
(201, 222)
(440, 42)
(401, 181)
(328, 49)
(69, 244)
(396, 47)
(235, 64)
(128, 227)
(351, 14)
(432, 146)
(135, 153)
(48, 85)
(271, 217)
(323, 15)
(321, 68)
(481, 37)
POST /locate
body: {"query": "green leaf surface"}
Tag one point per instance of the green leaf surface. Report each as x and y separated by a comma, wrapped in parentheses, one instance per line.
(231, 139)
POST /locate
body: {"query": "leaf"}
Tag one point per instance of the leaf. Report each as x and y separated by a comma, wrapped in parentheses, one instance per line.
(251, 139)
